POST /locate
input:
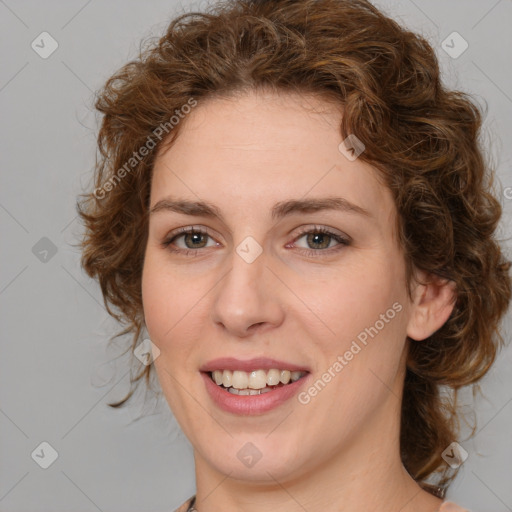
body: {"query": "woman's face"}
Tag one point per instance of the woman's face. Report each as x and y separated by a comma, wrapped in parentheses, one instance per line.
(252, 283)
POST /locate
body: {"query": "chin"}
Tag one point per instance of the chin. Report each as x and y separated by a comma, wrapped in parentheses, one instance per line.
(256, 460)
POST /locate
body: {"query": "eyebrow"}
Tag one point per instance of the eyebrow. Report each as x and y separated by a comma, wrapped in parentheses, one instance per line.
(279, 210)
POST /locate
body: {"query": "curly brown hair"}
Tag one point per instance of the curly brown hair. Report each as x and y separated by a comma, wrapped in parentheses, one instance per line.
(423, 139)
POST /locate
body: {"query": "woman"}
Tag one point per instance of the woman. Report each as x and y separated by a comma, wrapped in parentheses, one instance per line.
(298, 213)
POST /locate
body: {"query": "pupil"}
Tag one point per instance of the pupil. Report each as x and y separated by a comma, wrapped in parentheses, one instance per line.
(315, 238)
(312, 237)
(195, 236)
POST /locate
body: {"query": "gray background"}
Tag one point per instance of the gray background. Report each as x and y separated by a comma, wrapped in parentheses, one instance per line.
(57, 373)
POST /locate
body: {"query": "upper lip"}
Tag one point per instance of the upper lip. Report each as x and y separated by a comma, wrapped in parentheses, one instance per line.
(249, 365)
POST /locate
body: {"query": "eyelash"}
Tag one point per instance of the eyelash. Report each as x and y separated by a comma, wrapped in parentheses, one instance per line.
(308, 252)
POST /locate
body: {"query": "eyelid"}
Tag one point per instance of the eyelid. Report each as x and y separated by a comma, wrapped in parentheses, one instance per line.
(340, 238)
(315, 228)
(174, 234)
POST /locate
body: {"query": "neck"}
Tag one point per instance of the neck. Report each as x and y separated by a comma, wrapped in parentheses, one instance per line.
(365, 474)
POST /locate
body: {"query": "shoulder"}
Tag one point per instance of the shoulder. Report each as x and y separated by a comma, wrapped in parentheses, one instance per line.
(449, 506)
(185, 506)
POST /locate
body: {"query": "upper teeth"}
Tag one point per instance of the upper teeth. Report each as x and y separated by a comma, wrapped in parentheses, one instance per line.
(258, 379)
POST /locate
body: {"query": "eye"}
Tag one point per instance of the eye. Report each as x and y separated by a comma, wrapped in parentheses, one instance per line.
(193, 238)
(320, 239)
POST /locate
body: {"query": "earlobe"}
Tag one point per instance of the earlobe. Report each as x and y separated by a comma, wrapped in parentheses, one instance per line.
(433, 303)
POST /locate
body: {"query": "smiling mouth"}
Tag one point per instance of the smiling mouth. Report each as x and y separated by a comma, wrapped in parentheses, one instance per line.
(256, 382)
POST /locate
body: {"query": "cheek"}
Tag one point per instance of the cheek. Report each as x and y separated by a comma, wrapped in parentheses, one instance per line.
(173, 309)
(352, 300)
(363, 320)
(155, 303)
(163, 299)
(163, 308)
(357, 366)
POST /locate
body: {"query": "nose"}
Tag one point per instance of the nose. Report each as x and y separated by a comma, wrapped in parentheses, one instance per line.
(246, 299)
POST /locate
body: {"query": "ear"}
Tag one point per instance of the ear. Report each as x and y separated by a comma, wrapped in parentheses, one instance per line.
(433, 302)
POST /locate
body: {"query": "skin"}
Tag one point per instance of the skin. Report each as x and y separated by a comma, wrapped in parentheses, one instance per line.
(340, 451)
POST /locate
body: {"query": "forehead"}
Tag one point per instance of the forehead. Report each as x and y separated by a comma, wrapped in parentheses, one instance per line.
(253, 150)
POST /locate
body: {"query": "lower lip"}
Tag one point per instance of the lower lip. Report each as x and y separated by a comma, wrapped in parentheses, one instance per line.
(251, 404)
